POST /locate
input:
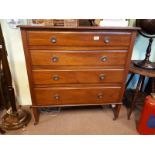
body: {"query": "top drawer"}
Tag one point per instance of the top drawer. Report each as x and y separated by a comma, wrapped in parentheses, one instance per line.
(49, 38)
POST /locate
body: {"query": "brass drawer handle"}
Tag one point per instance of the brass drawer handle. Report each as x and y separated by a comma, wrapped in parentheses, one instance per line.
(56, 96)
(106, 40)
(100, 96)
(53, 40)
(101, 76)
(104, 58)
(55, 77)
(55, 59)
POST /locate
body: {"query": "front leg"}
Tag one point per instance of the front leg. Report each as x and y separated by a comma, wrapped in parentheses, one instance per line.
(36, 115)
(116, 110)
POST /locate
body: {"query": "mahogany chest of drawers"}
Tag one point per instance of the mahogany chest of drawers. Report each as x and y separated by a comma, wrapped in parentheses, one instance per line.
(77, 66)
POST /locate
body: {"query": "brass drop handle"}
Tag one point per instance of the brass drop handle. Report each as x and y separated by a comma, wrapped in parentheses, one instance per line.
(104, 58)
(56, 96)
(106, 40)
(55, 77)
(55, 59)
(53, 40)
(101, 76)
(100, 95)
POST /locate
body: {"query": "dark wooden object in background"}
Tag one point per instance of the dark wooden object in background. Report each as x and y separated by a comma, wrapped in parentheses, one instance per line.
(6, 74)
(148, 31)
(15, 118)
(77, 66)
(4, 95)
(146, 63)
(142, 74)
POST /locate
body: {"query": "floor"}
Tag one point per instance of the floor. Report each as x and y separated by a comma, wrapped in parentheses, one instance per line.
(79, 121)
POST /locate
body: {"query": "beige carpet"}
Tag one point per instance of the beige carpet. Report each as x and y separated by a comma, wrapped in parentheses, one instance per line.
(80, 121)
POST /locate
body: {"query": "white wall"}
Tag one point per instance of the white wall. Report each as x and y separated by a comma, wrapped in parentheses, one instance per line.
(17, 60)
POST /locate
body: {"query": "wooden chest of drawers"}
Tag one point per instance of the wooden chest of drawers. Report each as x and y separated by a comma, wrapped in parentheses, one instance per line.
(77, 66)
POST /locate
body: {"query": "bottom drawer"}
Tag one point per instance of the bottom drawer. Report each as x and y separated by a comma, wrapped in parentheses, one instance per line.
(77, 95)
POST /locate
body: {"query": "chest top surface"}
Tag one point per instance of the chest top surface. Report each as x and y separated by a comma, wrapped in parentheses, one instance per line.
(79, 28)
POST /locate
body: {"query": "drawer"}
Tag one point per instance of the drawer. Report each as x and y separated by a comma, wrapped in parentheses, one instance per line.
(49, 38)
(104, 57)
(78, 76)
(77, 95)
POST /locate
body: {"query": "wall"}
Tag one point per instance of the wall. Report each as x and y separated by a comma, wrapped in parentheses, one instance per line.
(17, 61)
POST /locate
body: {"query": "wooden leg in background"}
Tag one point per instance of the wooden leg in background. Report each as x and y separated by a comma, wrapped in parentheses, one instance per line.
(135, 95)
(153, 85)
(116, 111)
(36, 115)
(142, 84)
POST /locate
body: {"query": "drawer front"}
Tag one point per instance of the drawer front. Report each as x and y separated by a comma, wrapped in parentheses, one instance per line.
(75, 95)
(78, 76)
(48, 38)
(48, 57)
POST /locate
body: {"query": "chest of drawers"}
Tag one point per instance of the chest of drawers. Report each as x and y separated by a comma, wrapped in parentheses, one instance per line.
(77, 66)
